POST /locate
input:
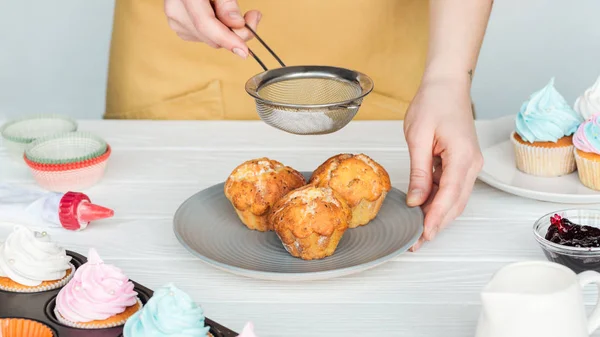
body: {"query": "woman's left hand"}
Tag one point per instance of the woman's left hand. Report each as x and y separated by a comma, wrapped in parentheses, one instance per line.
(445, 158)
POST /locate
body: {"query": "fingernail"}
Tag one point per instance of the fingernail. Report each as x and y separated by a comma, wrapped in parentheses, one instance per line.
(259, 17)
(235, 15)
(239, 53)
(414, 196)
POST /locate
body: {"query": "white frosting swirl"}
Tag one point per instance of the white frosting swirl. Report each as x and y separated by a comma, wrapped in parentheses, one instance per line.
(29, 258)
(588, 104)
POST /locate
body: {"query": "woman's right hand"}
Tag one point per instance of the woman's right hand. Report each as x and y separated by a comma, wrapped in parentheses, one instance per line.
(209, 21)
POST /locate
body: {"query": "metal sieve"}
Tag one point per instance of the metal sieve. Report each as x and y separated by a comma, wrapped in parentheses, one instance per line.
(307, 100)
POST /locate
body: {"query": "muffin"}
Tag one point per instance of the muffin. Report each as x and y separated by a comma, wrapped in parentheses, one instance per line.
(31, 262)
(170, 312)
(359, 180)
(310, 221)
(99, 296)
(542, 140)
(255, 185)
(587, 152)
(588, 104)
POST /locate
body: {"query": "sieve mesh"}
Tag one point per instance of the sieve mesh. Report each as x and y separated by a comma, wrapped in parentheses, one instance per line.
(309, 91)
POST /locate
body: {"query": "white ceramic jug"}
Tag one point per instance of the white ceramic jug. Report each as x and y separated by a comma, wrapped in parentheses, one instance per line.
(537, 299)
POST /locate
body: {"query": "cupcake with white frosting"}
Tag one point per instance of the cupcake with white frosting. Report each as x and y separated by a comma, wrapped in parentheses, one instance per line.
(170, 312)
(31, 262)
(99, 296)
(588, 104)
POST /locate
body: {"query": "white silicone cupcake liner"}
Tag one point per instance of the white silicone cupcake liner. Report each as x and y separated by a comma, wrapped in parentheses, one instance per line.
(70, 180)
(55, 285)
(64, 148)
(544, 161)
(66, 322)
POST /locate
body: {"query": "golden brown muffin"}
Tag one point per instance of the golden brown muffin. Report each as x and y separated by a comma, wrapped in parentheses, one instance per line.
(310, 221)
(359, 180)
(255, 185)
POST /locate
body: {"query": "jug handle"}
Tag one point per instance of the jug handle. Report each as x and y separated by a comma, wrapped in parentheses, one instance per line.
(585, 278)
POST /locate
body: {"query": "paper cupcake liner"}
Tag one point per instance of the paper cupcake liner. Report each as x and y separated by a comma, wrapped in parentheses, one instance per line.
(20, 327)
(41, 288)
(544, 161)
(25, 130)
(69, 166)
(64, 148)
(588, 171)
(99, 325)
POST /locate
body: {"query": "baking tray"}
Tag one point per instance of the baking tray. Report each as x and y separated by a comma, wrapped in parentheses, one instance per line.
(40, 307)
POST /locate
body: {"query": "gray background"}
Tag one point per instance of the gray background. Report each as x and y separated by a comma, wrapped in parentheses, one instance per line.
(54, 54)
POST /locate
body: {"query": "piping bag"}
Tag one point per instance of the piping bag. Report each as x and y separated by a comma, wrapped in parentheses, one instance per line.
(71, 210)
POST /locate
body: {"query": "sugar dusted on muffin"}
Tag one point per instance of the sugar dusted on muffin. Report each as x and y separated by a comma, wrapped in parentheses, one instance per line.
(542, 140)
(359, 180)
(31, 262)
(310, 221)
(99, 296)
(255, 185)
(169, 312)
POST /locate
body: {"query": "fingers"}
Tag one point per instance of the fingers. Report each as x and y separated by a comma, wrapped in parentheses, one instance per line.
(252, 19)
(228, 12)
(455, 171)
(421, 165)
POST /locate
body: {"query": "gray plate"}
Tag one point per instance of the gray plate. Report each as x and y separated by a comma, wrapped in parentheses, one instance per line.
(208, 227)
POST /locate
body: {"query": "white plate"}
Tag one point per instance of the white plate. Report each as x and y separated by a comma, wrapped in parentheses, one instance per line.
(500, 170)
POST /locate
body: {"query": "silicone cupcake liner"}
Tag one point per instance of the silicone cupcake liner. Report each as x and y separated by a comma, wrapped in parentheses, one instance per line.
(70, 180)
(41, 288)
(100, 325)
(20, 327)
(27, 129)
(65, 148)
(69, 166)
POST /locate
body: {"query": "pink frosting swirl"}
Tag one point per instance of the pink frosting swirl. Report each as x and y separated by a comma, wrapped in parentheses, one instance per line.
(97, 291)
(587, 136)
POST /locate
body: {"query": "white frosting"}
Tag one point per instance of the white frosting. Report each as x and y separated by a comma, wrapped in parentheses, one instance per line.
(29, 258)
(588, 104)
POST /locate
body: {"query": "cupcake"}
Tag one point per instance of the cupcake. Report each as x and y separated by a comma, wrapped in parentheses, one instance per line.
(587, 152)
(359, 180)
(248, 330)
(170, 312)
(31, 262)
(255, 185)
(99, 296)
(588, 104)
(20, 327)
(542, 140)
(310, 221)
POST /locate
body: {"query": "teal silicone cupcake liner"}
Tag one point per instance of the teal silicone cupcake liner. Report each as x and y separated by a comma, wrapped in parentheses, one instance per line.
(65, 148)
(26, 129)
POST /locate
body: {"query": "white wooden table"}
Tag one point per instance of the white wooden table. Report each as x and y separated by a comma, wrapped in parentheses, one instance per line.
(156, 165)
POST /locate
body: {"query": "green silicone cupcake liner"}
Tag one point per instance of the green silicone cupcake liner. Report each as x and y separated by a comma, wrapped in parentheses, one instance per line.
(65, 148)
(26, 129)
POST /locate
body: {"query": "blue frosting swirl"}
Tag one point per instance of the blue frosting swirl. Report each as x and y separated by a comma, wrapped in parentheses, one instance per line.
(546, 116)
(170, 312)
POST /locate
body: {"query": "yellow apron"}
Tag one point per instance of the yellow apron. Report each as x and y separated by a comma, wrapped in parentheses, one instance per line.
(153, 74)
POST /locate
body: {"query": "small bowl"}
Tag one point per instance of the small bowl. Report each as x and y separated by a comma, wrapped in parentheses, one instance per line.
(576, 258)
(70, 176)
(18, 133)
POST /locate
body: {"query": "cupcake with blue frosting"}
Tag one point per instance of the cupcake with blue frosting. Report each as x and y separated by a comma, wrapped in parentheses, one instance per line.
(543, 137)
(587, 152)
(170, 312)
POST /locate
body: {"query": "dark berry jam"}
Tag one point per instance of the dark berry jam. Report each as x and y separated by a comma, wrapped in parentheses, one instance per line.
(566, 233)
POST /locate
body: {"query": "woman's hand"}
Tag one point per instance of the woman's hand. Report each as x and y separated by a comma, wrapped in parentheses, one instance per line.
(209, 21)
(445, 158)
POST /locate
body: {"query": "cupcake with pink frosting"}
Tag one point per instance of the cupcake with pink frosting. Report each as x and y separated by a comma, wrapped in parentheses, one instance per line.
(587, 152)
(98, 296)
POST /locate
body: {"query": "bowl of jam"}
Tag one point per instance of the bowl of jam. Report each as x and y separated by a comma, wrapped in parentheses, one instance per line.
(571, 237)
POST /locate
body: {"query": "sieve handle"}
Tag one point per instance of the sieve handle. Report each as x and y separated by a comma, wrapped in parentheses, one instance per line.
(266, 47)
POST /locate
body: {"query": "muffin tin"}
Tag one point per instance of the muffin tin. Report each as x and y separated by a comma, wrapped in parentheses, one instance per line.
(40, 307)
